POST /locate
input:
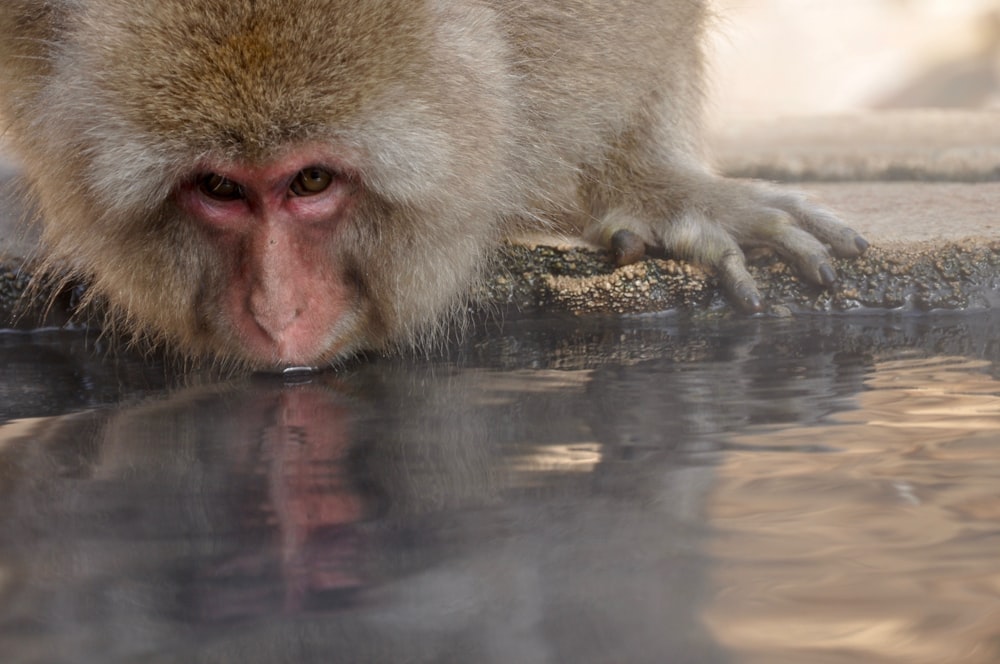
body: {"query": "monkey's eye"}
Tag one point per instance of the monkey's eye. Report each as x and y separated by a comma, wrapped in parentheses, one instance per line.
(311, 181)
(215, 186)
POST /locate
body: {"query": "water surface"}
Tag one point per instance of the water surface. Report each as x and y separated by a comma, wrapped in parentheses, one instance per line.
(641, 489)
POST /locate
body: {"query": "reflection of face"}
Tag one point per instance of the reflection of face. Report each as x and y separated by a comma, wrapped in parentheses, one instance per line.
(306, 445)
(307, 505)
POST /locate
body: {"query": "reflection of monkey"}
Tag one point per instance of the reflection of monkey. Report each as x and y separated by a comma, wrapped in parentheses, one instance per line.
(395, 513)
(278, 183)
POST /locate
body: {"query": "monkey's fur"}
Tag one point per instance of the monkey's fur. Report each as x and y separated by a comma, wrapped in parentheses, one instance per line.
(442, 126)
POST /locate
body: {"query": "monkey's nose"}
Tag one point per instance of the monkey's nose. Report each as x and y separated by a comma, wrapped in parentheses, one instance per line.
(273, 313)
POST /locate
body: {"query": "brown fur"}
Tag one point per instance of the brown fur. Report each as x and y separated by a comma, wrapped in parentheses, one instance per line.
(460, 118)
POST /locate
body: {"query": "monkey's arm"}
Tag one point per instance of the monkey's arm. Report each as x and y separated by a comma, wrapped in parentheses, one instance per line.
(618, 93)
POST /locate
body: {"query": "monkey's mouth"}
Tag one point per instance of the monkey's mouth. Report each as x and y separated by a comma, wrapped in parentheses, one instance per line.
(297, 373)
(288, 375)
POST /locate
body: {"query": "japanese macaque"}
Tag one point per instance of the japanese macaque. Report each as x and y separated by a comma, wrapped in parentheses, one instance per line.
(278, 184)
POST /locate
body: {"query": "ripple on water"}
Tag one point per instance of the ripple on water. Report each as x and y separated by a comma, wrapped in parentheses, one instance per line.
(883, 549)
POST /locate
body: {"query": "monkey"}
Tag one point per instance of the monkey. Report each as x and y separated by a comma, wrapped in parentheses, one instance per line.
(274, 184)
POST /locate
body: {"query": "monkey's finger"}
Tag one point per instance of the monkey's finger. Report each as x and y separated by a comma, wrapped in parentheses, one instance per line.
(701, 240)
(737, 284)
(808, 255)
(843, 241)
(627, 247)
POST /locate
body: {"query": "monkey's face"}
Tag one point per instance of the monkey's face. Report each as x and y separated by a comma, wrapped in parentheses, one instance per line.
(275, 183)
(284, 296)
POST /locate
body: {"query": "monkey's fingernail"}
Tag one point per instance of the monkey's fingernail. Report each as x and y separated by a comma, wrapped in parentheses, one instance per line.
(861, 244)
(753, 303)
(627, 247)
(746, 298)
(827, 275)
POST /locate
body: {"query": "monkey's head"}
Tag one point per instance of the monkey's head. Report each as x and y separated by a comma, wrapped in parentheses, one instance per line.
(271, 183)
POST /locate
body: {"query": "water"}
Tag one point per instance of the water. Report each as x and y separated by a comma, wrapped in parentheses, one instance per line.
(559, 490)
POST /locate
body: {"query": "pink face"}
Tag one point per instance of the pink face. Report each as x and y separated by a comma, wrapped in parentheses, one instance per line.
(286, 299)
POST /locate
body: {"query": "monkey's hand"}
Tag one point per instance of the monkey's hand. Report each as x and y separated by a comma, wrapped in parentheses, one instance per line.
(719, 218)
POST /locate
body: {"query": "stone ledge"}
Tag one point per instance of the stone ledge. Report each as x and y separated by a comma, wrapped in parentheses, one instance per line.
(917, 277)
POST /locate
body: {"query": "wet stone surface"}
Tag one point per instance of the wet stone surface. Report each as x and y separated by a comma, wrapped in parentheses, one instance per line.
(921, 277)
(954, 276)
(581, 280)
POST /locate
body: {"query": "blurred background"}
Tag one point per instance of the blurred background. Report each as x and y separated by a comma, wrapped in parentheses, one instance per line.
(808, 57)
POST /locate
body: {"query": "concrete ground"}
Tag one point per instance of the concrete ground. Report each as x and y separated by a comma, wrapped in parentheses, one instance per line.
(922, 186)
